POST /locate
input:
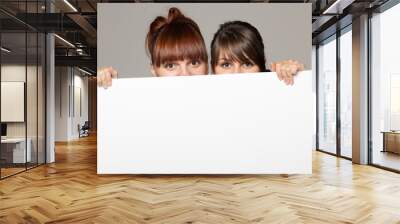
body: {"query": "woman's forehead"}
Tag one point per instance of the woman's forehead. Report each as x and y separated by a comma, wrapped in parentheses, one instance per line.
(180, 60)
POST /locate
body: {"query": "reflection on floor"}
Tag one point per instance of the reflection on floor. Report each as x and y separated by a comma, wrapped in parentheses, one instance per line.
(10, 169)
(387, 159)
(346, 152)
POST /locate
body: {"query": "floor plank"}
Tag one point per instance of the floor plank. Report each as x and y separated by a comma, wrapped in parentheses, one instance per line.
(70, 191)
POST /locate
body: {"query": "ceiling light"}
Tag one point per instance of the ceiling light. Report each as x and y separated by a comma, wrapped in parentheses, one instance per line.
(64, 40)
(70, 5)
(337, 7)
(5, 50)
(329, 9)
(84, 71)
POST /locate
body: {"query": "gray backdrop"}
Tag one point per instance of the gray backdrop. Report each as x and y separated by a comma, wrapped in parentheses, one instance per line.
(122, 28)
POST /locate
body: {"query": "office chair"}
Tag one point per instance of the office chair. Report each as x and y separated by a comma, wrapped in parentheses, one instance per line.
(84, 130)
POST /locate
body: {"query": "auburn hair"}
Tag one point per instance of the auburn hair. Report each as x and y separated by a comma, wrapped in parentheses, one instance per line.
(241, 42)
(175, 37)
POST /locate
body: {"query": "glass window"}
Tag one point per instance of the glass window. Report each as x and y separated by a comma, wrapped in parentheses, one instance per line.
(346, 93)
(22, 92)
(14, 153)
(327, 96)
(385, 87)
(314, 78)
(31, 101)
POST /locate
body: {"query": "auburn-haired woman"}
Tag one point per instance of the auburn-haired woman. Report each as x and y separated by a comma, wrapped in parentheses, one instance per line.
(175, 47)
(237, 47)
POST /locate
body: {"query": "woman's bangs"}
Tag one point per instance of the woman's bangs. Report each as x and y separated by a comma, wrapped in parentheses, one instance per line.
(234, 51)
(179, 46)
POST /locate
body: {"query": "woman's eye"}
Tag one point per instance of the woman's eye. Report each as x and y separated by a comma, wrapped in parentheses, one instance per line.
(169, 65)
(248, 64)
(195, 63)
(225, 65)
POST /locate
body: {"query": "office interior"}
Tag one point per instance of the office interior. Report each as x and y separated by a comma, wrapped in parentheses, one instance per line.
(49, 100)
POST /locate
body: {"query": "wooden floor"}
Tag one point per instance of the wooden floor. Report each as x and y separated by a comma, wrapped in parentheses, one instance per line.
(387, 159)
(70, 191)
(5, 172)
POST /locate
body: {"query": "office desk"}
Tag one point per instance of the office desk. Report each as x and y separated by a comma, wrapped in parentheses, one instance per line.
(15, 148)
(391, 141)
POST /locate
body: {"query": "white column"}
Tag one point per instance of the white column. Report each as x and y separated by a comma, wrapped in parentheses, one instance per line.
(360, 90)
(50, 93)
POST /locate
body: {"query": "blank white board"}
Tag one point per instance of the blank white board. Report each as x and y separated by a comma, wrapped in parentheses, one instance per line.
(12, 101)
(214, 124)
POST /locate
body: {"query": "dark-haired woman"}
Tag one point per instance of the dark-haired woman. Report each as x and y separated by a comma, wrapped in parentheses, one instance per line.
(237, 47)
(175, 47)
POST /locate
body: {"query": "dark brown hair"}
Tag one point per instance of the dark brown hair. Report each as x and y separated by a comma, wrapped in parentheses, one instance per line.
(242, 41)
(176, 37)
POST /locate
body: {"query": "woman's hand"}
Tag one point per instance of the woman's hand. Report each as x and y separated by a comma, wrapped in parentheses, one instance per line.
(286, 70)
(105, 76)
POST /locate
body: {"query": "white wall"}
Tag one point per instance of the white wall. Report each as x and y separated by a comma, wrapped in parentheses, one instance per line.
(70, 83)
(12, 101)
(16, 73)
(62, 81)
(33, 127)
(79, 117)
